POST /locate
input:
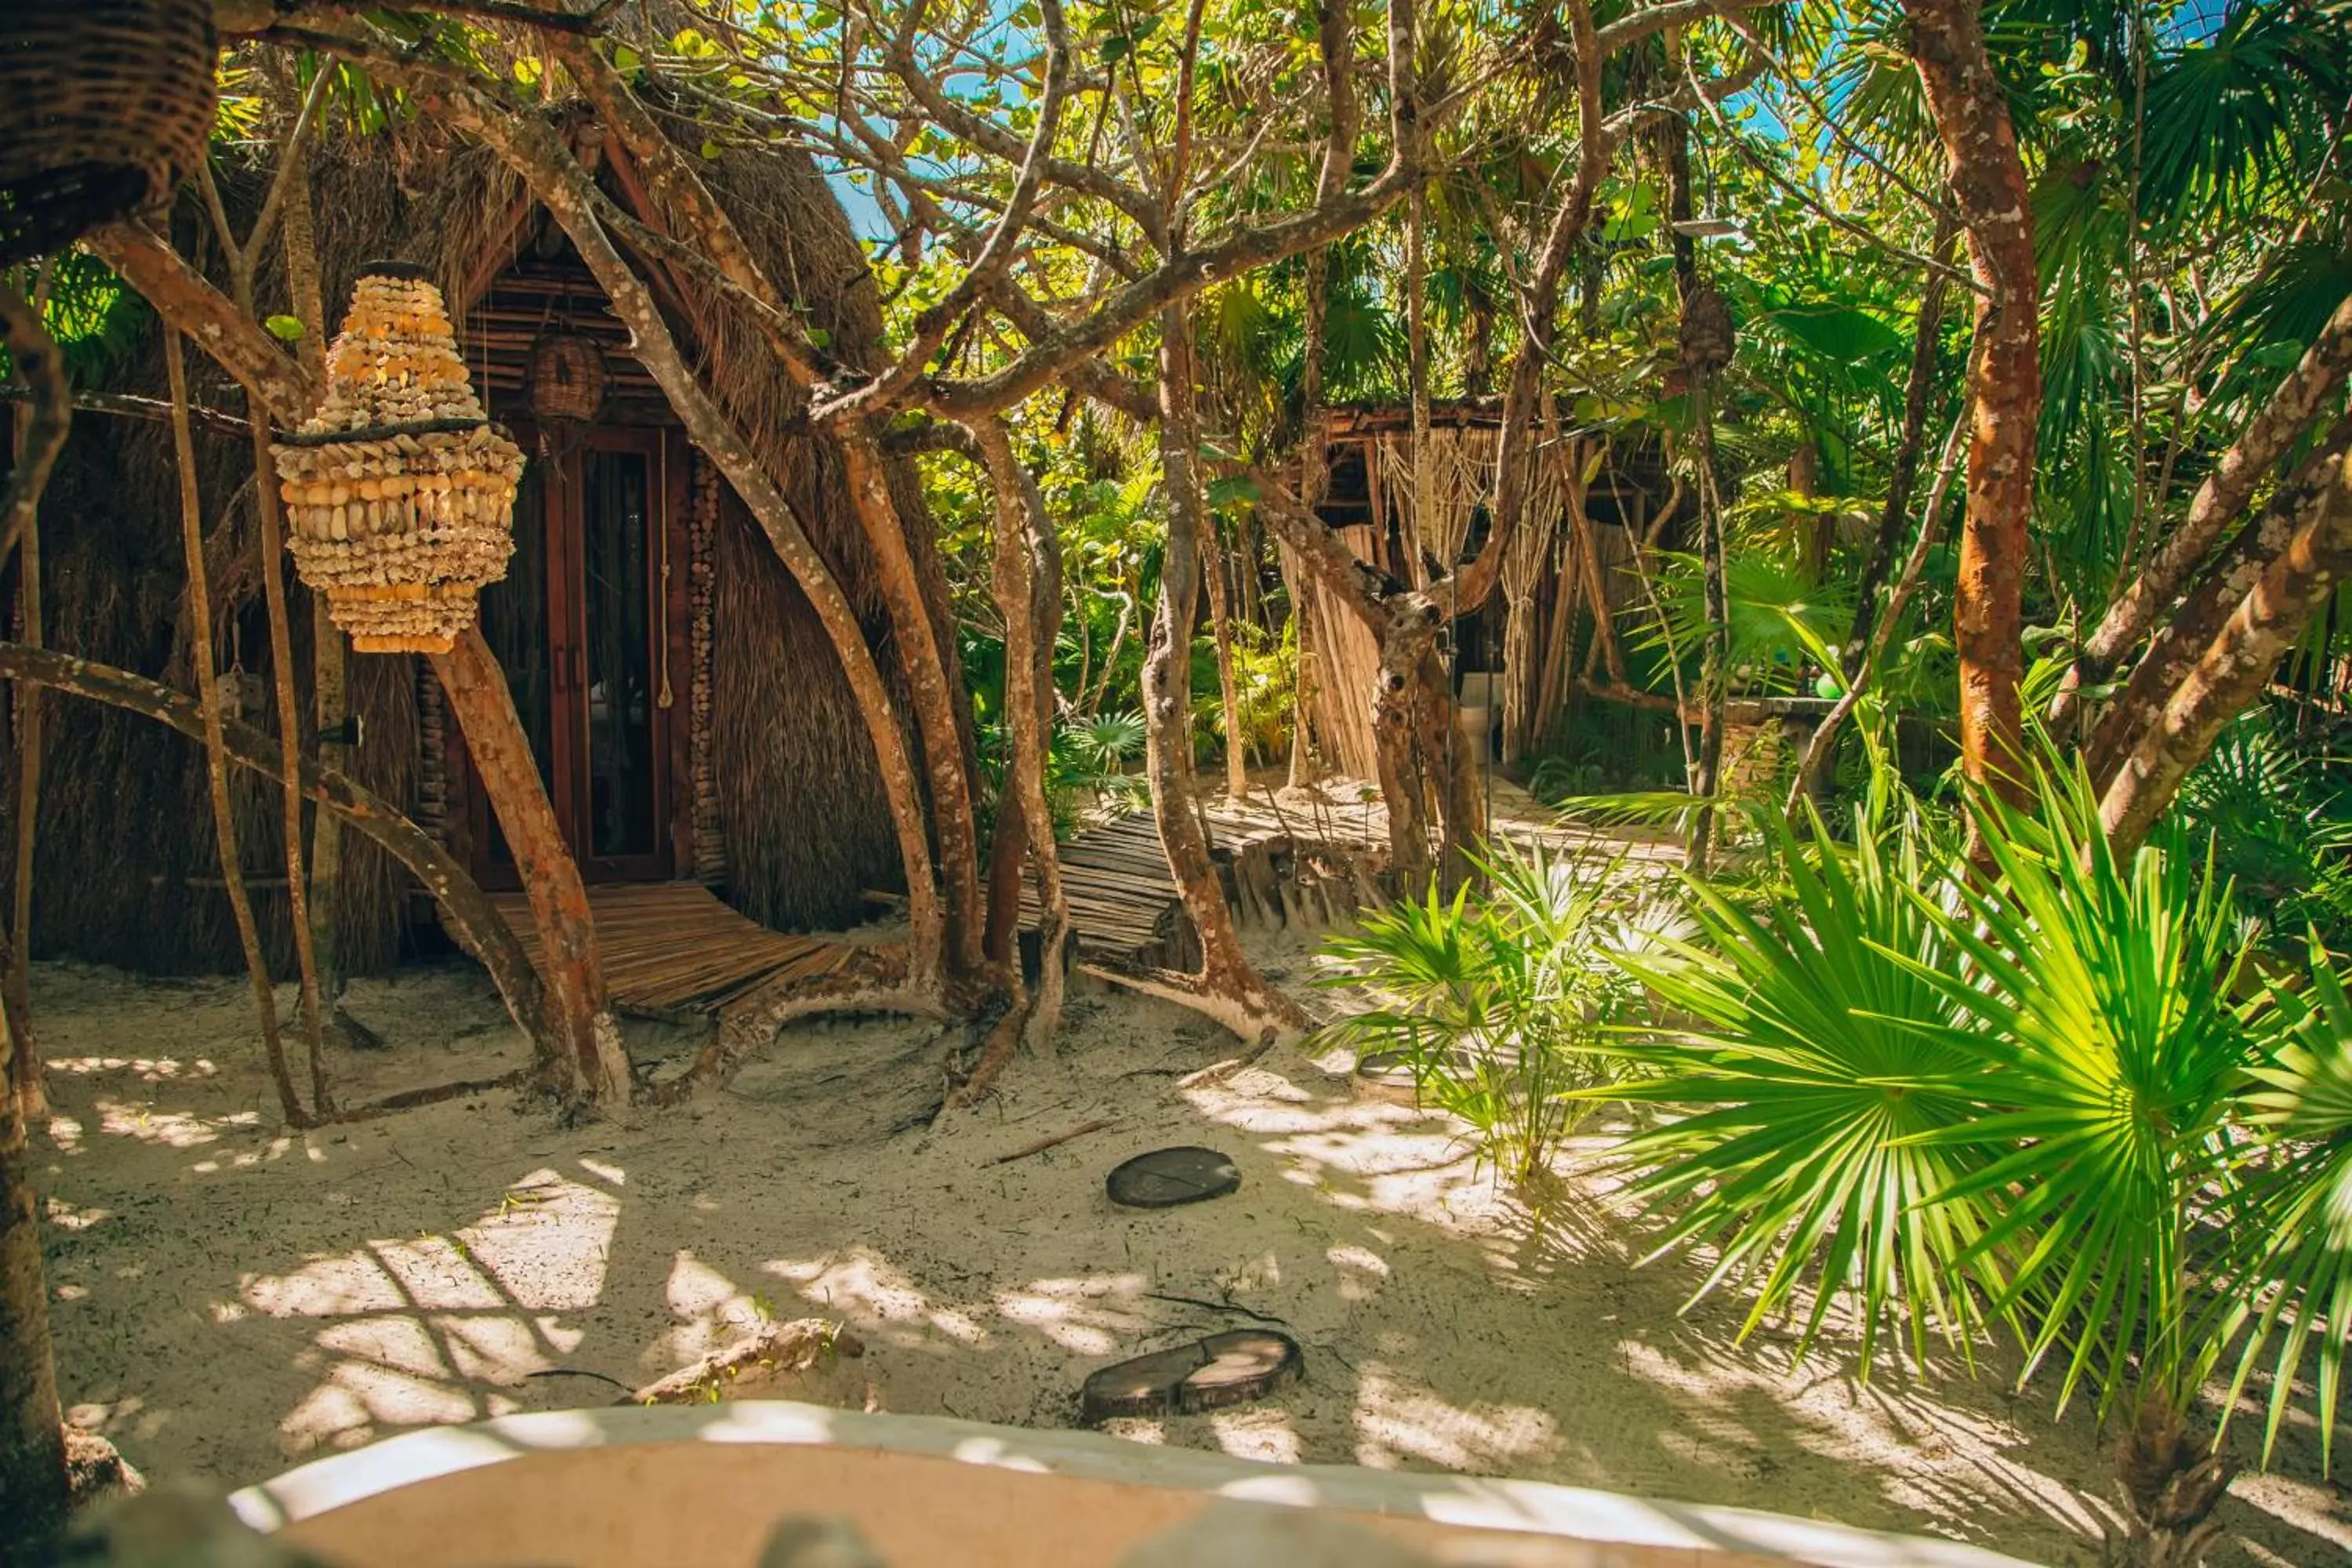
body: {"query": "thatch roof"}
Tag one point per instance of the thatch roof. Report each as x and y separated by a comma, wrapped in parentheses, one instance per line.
(126, 866)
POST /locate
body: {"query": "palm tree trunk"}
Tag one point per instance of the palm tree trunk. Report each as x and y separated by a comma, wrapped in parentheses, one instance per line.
(2236, 663)
(2223, 496)
(1987, 180)
(2220, 589)
(200, 619)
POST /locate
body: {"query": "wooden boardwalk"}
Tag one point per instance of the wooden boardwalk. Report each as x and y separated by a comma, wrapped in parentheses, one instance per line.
(672, 947)
(1306, 858)
(1286, 857)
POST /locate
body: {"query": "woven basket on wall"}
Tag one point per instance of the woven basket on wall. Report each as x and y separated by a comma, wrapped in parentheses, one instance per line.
(401, 494)
(104, 106)
(566, 379)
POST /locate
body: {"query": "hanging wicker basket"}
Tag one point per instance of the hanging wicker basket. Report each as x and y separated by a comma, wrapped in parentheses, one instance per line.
(104, 106)
(400, 493)
(566, 379)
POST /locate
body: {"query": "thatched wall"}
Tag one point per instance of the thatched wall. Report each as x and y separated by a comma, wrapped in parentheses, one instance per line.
(126, 871)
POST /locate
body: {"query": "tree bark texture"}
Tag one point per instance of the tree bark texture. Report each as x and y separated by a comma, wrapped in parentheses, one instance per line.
(570, 966)
(1214, 559)
(472, 919)
(1229, 988)
(329, 686)
(2235, 665)
(200, 619)
(289, 742)
(2267, 437)
(1025, 576)
(39, 437)
(2218, 590)
(33, 1484)
(1988, 182)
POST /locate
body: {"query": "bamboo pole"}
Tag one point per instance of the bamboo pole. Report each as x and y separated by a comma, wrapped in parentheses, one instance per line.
(192, 541)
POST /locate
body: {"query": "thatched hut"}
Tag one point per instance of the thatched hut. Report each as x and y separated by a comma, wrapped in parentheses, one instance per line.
(690, 718)
(1515, 658)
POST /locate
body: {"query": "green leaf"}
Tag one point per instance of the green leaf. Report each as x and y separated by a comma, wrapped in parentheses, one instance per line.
(285, 329)
(1115, 47)
(709, 149)
(819, 338)
(626, 59)
(1235, 489)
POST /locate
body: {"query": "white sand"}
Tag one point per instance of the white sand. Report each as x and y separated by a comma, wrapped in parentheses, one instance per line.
(229, 1298)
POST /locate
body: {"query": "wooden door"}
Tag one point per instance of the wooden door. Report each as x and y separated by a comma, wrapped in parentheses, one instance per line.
(582, 626)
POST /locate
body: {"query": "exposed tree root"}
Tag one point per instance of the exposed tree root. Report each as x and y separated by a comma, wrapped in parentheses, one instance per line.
(995, 1054)
(871, 980)
(1265, 1012)
(409, 1098)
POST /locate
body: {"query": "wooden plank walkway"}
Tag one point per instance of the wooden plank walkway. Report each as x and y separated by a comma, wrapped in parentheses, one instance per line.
(1296, 854)
(672, 947)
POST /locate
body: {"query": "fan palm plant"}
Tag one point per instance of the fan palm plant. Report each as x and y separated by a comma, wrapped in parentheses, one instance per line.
(1497, 1005)
(2020, 1095)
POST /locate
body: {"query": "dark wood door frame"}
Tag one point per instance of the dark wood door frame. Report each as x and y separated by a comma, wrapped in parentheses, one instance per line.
(665, 603)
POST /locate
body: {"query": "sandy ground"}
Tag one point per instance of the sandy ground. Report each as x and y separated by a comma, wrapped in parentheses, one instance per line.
(230, 1299)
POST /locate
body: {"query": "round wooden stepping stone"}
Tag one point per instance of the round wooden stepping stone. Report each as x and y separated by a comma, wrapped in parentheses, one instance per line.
(1166, 1177)
(1232, 1368)
(1387, 1074)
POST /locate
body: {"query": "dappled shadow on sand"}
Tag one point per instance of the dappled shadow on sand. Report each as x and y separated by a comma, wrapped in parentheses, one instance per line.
(234, 1299)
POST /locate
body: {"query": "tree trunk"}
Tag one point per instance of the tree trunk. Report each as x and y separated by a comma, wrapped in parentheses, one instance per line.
(1229, 988)
(1221, 615)
(1025, 575)
(2235, 665)
(34, 1493)
(2224, 494)
(2220, 589)
(931, 694)
(468, 912)
(38, 439)
(200, 619)
(570, 966)
(329, 691)
(289, 742)
(1988, 181)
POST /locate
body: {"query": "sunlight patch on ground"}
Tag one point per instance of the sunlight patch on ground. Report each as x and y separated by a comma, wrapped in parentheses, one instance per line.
(426, 1329)
(1092, 1316)
(172, 1129)
(1264, 1434)
(1396, 1422)
(154, 1069)
(880, 1299)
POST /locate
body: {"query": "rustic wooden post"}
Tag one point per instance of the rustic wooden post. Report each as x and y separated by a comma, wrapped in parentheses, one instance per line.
(570, 966)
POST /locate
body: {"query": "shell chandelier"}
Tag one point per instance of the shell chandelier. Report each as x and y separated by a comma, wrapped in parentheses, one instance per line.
(399, 490)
